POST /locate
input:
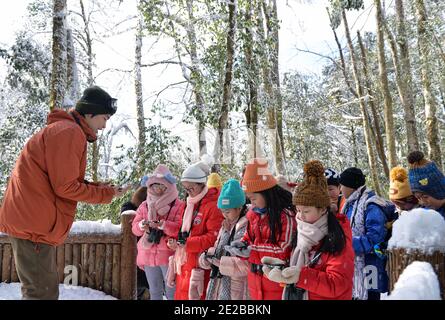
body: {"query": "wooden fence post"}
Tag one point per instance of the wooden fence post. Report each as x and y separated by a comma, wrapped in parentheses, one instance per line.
(128, 258)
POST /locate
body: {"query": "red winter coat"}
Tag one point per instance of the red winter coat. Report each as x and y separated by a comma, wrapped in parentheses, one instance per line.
(331, 277)
(257, 236)
(205, 228)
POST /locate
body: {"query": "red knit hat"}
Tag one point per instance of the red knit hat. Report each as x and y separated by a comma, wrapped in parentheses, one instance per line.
(257, 176)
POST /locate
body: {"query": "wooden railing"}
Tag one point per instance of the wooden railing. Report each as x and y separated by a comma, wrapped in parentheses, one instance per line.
(101, 261)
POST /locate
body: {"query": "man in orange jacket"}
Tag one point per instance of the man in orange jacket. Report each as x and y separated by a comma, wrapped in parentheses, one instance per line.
(40, 201)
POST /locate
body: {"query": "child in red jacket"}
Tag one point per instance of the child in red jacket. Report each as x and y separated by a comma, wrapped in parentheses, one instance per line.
(270, 227)
(322, 261)
(201, 221)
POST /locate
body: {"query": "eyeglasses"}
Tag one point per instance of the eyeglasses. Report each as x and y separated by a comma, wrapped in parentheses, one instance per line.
(158, 186)
(188, 190)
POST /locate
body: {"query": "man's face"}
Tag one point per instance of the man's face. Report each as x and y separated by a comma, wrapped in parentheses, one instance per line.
(346, 191)
(97, 122)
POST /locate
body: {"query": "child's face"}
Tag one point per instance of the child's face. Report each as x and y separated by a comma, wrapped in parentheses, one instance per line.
(231, 214)
(309, 214)
(334, 192)
(257, 200)
(192, 188)
(403, 205)
(428, 201)
(157, 189)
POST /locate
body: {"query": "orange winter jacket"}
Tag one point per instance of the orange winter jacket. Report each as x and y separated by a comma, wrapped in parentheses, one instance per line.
(48, 181)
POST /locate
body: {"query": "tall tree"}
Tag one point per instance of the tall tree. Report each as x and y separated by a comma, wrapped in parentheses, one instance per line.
(366, 125)
(388, 108)
(86, 43)
(139, 99)
(59, 67)
(251, 111)
(271, 112)
(405, 78)
(433, 140)
(72, 76)
(227, 87)
(273, 25)
(196, 75)
(373, 105)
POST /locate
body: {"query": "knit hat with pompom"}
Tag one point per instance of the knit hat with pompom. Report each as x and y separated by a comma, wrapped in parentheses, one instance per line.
(425, 176)
(198, 172)
(399, 184)
(313, 191)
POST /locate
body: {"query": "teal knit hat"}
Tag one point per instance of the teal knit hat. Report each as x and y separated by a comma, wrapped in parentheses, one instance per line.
(232, 195)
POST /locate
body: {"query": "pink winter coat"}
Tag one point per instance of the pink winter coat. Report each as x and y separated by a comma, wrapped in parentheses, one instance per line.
(157, 254)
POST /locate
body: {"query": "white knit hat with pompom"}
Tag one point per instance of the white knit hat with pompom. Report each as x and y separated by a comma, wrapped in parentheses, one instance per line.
(198, 172)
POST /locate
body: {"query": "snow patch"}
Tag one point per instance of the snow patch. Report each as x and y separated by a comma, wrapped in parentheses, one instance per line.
(421, 229)
(417, 282)
(12, 291)
(102, 226)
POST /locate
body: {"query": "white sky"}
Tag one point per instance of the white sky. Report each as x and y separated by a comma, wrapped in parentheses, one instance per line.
(305, 25)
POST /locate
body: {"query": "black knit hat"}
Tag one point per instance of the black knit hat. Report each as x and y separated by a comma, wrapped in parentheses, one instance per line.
(332, 177)
(95, 101)
(352, 178)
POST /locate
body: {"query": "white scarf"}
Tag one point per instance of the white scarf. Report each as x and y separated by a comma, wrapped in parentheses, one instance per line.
(308, 236)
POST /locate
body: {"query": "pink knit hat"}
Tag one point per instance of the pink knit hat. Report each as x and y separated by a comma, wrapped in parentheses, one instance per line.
(161, 175)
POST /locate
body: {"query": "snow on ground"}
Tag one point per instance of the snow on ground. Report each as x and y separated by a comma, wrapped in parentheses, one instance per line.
(421, 229)
(11, 291)
(417, 282)
(102, 226)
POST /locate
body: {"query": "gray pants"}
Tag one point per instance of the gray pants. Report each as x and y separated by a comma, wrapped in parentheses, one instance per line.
(156, 277)
(37, 269)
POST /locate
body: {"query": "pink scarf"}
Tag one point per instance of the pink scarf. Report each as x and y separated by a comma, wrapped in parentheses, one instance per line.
(180, 254)
(160, 205)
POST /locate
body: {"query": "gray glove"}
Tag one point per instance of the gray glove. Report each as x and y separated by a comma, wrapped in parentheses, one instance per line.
(238, 248)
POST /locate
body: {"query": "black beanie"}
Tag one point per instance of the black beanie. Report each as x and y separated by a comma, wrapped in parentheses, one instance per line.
(352, 178)
(332, 177)
(95, 101)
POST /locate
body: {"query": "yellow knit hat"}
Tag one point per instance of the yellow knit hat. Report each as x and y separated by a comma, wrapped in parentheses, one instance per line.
(399, 187)
(214, 181)
(313, 191)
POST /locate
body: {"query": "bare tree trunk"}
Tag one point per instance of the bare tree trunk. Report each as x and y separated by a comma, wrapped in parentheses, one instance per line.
(88, 44)
(94, 150)
(372, 97)
(73, 89)
(252, 105)
(273, 26)
(406, 84)
(139, 99)
(354, 144)
(271, 115)
(342, 59)
(366, 125)
(227, 88)
(432, 131)
(387, 110)
(59, 67)
(196, 78)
